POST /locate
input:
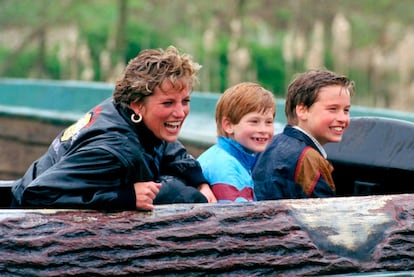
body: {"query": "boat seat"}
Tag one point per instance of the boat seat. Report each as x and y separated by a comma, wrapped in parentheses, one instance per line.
(375, 156)
(5, 193)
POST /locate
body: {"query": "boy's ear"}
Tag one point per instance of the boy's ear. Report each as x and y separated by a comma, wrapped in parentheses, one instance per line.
(301, 112)
(227, 125)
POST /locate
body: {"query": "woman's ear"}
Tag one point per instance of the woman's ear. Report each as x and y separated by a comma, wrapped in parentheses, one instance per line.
(227, 125)
(136, 107)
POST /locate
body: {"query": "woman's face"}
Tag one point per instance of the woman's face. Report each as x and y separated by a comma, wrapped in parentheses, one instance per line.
(164, 111)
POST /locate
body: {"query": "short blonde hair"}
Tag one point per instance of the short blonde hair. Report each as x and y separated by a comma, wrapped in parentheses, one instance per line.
(150, 69)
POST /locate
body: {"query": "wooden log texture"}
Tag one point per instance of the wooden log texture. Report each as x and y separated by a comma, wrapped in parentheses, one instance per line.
(285, 238)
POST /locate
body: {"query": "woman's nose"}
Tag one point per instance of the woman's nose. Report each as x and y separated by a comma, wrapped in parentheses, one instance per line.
(180, 110)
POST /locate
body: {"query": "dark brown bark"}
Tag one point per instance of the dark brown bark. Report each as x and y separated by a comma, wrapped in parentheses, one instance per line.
(285, 238)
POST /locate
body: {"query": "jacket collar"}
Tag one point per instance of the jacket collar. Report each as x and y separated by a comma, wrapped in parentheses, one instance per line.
(234, 148)
(300, 134)
(147, 138)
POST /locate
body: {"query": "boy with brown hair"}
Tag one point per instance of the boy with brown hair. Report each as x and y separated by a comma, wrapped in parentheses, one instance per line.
(295, 165)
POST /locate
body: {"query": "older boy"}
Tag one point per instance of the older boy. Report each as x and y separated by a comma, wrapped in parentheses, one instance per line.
(294, 165)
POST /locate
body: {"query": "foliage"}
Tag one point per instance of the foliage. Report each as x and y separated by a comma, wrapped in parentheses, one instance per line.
(270, 68)
(186, 24)
(22, 64)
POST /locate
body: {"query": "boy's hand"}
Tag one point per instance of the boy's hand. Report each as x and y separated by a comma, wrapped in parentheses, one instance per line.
(207, 192)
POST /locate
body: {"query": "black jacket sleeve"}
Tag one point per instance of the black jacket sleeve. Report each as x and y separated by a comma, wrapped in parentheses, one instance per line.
(178, 162)
(92, 178)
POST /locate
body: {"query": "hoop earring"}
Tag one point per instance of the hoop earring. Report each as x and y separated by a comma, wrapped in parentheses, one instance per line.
(135, 119)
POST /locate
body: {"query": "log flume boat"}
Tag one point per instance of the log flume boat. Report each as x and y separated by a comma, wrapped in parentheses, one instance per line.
(367, 230)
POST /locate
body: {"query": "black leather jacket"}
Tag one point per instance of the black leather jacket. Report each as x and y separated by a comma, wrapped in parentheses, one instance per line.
(95, 162)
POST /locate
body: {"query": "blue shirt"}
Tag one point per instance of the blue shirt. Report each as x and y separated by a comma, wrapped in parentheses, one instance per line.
(227, 166)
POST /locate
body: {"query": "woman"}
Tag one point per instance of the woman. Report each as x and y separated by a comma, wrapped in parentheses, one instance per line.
(124, 153)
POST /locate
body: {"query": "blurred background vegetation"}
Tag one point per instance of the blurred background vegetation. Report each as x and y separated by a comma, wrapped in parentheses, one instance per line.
(266, 41)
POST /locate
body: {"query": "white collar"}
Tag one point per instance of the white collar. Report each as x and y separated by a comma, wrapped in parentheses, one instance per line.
(314, 141)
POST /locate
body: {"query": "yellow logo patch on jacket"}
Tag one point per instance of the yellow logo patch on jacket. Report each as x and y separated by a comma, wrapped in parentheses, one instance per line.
(76, 127)
(83, 122)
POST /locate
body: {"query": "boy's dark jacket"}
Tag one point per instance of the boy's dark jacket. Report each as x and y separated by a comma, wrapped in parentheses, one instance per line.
(292, 167)
(95, 162)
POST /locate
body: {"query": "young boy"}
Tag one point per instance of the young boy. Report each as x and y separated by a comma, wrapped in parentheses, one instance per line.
(245, 116)
(294, 165)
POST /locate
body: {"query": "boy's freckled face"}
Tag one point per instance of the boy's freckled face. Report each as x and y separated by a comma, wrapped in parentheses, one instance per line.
(327, 119)
(254, 131)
